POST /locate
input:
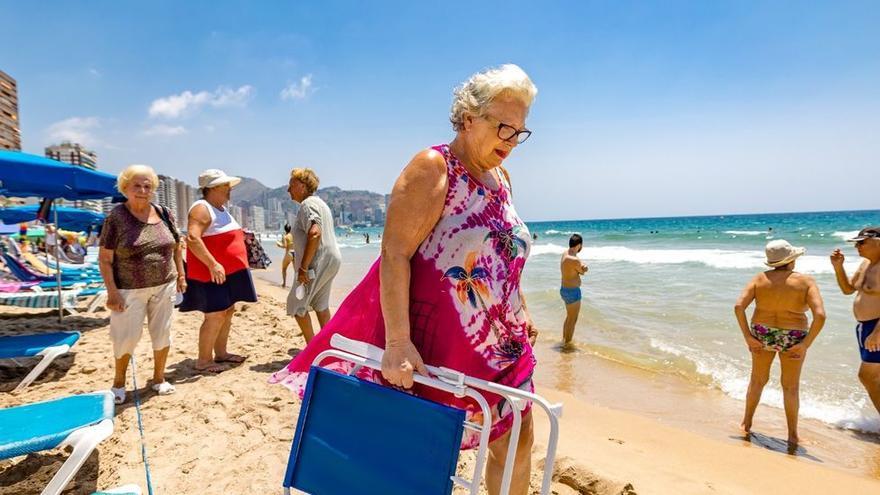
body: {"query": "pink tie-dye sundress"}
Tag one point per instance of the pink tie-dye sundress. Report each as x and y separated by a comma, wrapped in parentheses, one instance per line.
(465, 308)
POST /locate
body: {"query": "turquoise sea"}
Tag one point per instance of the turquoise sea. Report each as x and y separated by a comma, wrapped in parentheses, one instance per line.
(660, 293)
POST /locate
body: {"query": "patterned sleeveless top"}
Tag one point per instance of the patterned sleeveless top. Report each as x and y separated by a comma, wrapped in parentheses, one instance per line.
(466, 312)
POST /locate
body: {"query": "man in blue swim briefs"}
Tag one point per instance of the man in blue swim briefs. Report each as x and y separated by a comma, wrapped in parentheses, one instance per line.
(866, 307)
(572, 268)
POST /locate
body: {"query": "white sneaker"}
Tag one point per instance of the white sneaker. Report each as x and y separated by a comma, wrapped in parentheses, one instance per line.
(118, 394)
(163, 388)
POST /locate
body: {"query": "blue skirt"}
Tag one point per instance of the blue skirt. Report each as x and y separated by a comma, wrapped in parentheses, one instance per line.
(209, 297)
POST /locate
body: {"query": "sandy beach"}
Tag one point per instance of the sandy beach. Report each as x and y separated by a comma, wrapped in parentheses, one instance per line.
(231, 432)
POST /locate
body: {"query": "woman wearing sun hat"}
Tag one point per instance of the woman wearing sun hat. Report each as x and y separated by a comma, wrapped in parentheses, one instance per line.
(782, 297)
(217, 271)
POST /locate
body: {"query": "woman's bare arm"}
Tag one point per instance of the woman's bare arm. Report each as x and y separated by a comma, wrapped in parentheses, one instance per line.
(198, 221)
(416, 205)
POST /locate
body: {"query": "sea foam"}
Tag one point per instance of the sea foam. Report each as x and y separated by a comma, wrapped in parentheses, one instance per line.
(732, 379)
(715, 258)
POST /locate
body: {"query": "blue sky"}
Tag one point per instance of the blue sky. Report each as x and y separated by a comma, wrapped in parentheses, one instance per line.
(644, 108)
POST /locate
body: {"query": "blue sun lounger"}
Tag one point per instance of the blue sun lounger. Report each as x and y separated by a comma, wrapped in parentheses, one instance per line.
(348, 430)
(78, 421)
(46, 345)
(23, 273)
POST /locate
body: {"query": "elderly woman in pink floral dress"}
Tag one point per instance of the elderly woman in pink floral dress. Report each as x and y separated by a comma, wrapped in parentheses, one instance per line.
(446, 289)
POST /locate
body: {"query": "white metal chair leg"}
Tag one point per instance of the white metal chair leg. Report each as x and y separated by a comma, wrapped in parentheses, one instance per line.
(83, 442)
(98, 301)
(516, 405)
(49, 354)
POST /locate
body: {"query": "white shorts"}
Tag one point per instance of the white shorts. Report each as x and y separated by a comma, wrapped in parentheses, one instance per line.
(156, 304)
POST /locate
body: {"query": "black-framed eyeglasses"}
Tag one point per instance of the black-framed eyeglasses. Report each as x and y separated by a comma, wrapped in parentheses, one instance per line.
(508, 132)
(859, 243)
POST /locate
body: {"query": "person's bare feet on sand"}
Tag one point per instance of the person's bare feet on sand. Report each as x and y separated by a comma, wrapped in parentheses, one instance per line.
(746, 426)
(230, 358)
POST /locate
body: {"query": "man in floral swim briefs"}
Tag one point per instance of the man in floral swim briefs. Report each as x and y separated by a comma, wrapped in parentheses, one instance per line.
(779, 325)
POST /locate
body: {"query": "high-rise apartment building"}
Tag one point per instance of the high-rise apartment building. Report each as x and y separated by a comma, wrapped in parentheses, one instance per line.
(166, 194)
(236, 213)
(183, 203)
(10, 134)
(77, 154)
(257, 219)
(73, 153)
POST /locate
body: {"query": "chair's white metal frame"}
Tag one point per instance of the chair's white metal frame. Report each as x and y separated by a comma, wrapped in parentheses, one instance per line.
(454, 382)
(83, 441)
(48, 355)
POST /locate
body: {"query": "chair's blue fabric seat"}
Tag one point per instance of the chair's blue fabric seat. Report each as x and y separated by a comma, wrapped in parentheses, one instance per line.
(358, 437)
(31, 345)
(44, 425)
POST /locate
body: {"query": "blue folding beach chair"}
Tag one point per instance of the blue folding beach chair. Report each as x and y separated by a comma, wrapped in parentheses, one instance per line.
(348, 429)
(78, 421)
(46, 345)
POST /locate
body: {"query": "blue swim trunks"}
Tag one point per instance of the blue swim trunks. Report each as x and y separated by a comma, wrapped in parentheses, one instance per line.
(863, 330)
(570, 295)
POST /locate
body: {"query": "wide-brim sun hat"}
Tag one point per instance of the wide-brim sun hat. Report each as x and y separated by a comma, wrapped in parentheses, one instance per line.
(780, 253)
(215, 177)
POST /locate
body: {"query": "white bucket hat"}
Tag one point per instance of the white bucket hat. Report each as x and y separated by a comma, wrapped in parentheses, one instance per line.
(780, 253)
(214, 177)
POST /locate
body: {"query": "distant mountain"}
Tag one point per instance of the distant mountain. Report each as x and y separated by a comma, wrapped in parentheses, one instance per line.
(347, 206)
(249, 191)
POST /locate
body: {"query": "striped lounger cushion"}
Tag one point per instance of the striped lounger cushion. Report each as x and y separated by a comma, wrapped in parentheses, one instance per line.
(40, 300)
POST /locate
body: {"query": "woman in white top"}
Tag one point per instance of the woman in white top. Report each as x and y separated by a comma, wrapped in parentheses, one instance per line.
(217, 271)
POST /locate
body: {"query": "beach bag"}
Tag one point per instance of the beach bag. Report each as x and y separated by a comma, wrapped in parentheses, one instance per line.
(257, 258)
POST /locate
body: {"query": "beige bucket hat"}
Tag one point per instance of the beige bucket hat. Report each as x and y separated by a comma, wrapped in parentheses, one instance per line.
(780, 253)
(214, 177)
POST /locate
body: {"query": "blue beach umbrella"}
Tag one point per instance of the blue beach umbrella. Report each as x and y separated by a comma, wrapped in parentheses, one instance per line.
(26, 175)
(68, 218)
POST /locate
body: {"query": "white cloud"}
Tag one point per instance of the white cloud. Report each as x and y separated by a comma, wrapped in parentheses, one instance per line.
(95, 72)
(176, 106)
(75, 129)
(298, 91)
(165, 130)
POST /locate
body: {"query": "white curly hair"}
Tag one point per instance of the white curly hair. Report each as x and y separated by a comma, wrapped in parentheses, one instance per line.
(475, 94)
(136, 170)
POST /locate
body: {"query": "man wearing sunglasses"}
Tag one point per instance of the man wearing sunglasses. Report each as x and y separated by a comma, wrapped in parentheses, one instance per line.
(866, 307)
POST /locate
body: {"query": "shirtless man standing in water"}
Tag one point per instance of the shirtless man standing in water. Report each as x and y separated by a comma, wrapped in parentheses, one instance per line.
(572, 268)
(866, 307)
(779, 324)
